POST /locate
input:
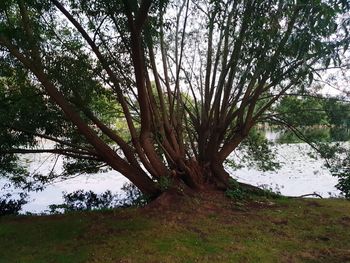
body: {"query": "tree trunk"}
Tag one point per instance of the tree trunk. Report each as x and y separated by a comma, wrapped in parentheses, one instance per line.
(220, 176)
(196, 176)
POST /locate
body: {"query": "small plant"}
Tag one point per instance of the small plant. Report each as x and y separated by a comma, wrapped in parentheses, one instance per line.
(235, 191)
(269, 192)
(164, 183)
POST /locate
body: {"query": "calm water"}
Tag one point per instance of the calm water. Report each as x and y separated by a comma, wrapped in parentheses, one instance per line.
(299, 175)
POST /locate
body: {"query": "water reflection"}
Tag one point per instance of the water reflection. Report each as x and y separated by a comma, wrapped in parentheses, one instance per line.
(299, 174)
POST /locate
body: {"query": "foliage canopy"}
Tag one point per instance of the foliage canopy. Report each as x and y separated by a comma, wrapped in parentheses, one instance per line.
(189, 80)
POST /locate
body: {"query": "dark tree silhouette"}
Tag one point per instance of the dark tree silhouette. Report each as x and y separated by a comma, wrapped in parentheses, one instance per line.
(188, 79)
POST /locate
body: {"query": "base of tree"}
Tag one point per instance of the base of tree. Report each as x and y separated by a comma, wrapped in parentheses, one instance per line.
(179, 195)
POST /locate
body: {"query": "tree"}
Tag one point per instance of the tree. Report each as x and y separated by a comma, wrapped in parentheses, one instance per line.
(217, 68)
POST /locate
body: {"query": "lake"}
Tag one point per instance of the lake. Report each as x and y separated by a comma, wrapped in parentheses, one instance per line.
(298, 175)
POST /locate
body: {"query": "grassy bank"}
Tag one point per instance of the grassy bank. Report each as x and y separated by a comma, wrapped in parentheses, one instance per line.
(206, 229)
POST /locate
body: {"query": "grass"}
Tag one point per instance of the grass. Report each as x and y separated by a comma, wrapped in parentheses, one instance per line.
(206, 229)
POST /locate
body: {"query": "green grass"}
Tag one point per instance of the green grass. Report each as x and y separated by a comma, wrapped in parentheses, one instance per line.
(212, 229)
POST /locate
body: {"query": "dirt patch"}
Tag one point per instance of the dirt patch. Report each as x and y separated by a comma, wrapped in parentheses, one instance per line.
(313, 204)
(209, 204)
(200, 233)
(345, 221)
(280, 222)
(327, 255)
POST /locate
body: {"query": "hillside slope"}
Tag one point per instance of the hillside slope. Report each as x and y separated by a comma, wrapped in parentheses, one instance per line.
(207, 228)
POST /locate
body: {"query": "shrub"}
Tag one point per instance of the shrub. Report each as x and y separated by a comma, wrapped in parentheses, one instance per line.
(81, 200)
(344, 184)
(235, 191)
(10, 206)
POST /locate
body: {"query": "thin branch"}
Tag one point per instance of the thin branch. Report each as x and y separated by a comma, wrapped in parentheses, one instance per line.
(68, 152)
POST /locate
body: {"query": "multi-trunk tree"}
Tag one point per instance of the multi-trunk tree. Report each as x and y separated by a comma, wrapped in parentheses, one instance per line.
(187, 79)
